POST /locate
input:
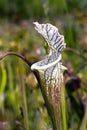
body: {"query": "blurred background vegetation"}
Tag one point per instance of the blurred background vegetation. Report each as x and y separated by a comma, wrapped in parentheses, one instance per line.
(18, 85)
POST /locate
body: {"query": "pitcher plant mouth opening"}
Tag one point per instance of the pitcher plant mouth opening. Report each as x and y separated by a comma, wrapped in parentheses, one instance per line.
(43, 66)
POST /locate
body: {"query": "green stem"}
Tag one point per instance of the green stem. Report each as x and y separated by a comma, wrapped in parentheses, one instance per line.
(2, 85)
(10, 76)
(63, 107)
(25, 109)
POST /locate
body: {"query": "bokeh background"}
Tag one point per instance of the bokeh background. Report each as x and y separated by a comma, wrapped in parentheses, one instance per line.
(20, 96)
